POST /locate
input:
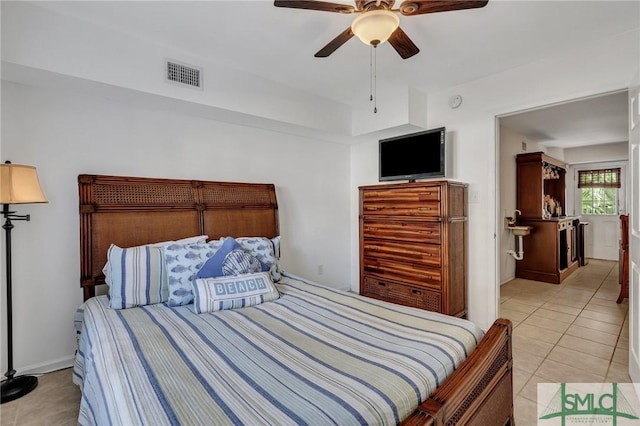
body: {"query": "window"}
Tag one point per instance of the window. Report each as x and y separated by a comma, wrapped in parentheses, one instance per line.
(599, 191)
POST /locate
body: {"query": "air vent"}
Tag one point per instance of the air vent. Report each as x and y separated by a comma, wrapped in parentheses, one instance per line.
(184, 74)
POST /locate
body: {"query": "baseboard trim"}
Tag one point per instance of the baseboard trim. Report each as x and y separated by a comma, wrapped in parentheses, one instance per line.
(47, 367)
(507, 280)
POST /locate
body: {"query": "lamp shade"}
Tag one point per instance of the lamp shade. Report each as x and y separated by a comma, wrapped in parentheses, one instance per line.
(375, 26)
(19, 184)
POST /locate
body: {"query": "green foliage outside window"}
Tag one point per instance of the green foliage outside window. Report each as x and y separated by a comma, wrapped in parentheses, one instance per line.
(599, 191)
(599, 201)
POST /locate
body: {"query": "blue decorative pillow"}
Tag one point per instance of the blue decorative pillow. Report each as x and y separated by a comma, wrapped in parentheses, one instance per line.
(218, 293)
(183, 263)
(267, 251)
(231, 259)
(138, 276)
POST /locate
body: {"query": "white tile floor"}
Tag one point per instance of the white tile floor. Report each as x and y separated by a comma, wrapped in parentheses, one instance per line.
(571, 332)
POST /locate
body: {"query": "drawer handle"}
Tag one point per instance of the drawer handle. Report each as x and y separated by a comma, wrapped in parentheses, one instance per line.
(424, 209)
(414, 291)
(380, 283)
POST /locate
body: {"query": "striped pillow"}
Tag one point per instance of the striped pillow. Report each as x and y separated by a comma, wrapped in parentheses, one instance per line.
(138, 276)
(231, 292)
(197, 239)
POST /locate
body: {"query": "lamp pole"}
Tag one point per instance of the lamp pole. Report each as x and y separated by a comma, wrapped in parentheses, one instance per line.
(12, 387)
(18, 185)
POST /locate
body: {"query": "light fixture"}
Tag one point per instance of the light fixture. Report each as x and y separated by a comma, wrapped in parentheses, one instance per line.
(375, 26)
(18, 185)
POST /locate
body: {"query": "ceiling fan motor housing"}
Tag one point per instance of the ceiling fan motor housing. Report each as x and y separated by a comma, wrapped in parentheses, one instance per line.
(373, 4)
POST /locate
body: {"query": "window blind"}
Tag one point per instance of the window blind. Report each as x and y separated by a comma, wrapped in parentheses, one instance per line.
(602, 178)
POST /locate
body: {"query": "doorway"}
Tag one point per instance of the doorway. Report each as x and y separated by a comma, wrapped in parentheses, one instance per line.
(584, 133)
(574, 331)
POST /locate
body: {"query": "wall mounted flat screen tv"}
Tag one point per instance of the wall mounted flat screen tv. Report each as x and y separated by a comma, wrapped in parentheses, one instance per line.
(418, 155)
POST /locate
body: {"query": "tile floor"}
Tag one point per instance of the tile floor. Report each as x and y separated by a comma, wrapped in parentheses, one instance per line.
(572, 332)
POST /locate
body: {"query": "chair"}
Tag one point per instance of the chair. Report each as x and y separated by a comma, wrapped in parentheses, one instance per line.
(623, 272)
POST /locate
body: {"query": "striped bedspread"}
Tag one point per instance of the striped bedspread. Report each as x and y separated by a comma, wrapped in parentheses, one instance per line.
(315, 356)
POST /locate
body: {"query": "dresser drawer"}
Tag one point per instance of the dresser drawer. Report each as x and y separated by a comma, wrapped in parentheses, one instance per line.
(411, 273)
(414, 201)
(422, 254)
(402, 294)
(424, 232)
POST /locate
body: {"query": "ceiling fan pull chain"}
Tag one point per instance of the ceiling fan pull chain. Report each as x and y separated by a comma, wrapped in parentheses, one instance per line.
(375, 79)
(371, 74)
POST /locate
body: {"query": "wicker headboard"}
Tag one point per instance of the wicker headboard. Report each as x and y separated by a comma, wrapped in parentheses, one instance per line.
(131, 211)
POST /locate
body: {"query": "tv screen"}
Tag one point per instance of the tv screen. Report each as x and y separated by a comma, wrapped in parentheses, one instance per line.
(415, 156)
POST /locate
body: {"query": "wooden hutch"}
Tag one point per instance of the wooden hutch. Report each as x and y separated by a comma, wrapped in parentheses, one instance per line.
(551, 249)
(413, 244)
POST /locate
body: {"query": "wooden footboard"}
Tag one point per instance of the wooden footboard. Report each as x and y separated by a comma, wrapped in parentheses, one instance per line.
(480, 391)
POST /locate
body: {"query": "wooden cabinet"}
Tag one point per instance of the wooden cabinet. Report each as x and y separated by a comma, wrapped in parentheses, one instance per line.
(551, 249)
(539, 177)
(413, 244)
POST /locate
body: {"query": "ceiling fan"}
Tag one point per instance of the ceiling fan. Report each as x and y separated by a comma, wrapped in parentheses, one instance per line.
(378, 21)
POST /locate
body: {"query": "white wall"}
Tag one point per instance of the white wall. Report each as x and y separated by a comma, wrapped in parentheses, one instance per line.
(38, 38)
(603, 231)
(510, 146)
(618, 151)
(594, 157)
(65, 134)
(599, 67)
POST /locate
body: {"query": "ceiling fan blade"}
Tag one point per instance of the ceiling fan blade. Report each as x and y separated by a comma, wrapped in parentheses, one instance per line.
(420, 7)
(322, 6)
(403, 44)
(331, 47)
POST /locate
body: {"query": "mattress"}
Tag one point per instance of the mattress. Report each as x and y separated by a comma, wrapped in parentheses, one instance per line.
(313, 356)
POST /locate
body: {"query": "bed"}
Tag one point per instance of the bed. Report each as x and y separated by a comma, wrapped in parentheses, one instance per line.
(312, 355)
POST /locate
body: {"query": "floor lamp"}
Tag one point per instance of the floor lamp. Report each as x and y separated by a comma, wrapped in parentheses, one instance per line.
(18, 185)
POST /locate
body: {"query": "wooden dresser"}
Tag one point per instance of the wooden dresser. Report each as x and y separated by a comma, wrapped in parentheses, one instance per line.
(413, 244)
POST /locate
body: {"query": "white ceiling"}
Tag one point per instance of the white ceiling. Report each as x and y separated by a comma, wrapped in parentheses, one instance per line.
(456, 47)
(594, 121)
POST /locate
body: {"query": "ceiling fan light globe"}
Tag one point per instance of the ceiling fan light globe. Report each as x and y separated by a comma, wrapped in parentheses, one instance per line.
(375, 26)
